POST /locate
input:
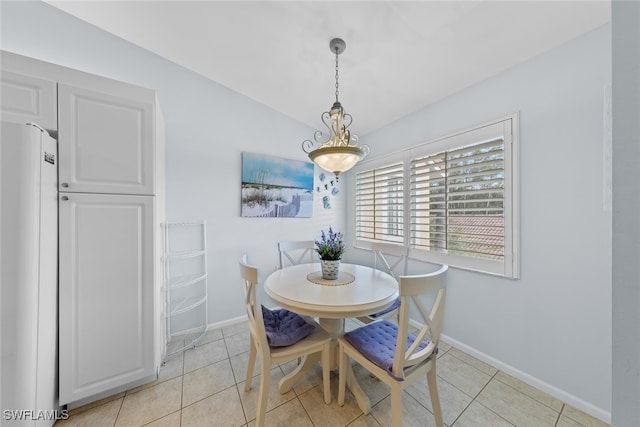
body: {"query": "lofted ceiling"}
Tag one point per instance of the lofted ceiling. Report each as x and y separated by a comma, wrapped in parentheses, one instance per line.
(400, 56)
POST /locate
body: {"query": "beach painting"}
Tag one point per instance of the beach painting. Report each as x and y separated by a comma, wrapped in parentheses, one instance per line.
(276, 187)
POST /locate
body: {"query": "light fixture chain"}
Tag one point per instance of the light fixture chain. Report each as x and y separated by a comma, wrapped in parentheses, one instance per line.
(337, 74)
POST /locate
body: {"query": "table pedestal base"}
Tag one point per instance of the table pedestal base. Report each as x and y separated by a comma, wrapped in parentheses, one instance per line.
(335, 328)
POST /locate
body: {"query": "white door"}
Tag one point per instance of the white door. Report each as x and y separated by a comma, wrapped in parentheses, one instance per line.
(106, 292)
(106, 142)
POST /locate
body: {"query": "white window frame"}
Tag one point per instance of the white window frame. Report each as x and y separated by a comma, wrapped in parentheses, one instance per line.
(507, 129)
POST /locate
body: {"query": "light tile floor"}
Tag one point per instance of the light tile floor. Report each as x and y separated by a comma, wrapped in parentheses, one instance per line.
(205, 387)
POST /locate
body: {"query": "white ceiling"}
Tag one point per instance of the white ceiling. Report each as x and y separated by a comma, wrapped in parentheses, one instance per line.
(400, 56)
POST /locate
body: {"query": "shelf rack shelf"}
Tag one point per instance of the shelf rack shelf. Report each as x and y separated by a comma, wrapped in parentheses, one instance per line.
(185, 265)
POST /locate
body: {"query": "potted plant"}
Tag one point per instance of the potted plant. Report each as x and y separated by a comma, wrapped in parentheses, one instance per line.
(330, 248)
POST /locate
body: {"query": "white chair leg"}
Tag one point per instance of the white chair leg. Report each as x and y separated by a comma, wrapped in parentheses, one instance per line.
(263, 394)
(433, 392)
(396, 406)
(252, 361)
(326, 372)
(342, 374)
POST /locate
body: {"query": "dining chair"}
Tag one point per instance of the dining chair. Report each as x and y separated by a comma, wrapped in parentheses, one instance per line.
(391, 353)
(296, 252)
(318, 341)
(390, 258)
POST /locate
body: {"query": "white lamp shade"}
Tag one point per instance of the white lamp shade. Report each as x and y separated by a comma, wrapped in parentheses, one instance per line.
(337, 159)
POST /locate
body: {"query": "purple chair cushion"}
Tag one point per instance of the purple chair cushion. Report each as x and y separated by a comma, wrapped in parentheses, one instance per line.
(394, 306)
(284, 327)
(377, 342)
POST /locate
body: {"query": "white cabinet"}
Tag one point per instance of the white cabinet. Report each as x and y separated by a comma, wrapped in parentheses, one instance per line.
(106, 292)
(28, 99)
(106, 142)
(111, 207)
(110, 241)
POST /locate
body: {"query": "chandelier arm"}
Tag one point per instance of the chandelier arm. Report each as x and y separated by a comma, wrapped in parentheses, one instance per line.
(326, 120)
(342, 139)
(346, 120)
(317, 136)
(365, 149)
(307, 146)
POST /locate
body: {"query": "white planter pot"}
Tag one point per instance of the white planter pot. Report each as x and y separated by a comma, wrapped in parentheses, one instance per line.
(330, 269)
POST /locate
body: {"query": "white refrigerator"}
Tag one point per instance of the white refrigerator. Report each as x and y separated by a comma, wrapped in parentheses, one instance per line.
(29, 254)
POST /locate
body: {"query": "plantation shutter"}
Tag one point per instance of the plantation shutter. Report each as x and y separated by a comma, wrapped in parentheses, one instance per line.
(457, 201)
(452, 200)
(380, 203)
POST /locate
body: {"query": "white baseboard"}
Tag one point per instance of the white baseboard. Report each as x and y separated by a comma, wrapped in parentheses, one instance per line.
(551, 390)
(228, 322)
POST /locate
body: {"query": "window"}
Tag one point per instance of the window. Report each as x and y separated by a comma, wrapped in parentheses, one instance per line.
(451, 200)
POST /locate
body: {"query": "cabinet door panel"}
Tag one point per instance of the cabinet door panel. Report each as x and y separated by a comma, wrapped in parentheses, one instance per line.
(28, 99)
(106, 143)
(106, 293)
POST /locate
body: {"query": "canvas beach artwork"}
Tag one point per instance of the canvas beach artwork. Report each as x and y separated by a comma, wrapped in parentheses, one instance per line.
(276, 187)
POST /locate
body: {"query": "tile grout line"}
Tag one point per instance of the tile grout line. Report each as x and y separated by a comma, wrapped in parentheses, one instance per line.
(559, 415)
(473, 398)
(182, 387)
(244, 411)
(304, 408)
(530, 396)
(119, 409)
(237, 385)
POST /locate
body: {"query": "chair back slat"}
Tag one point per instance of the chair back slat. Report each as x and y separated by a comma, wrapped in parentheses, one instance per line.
(415, 289)
(296, 252)
(425, 331)
(388, 257)
(249, 275)
(392, 259)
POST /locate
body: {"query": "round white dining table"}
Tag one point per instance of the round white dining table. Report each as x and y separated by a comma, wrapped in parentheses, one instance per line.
(358, 291)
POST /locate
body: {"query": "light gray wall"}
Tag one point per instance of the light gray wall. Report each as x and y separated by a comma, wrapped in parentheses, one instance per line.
(626, 211)
(553, 326)
(208, 126)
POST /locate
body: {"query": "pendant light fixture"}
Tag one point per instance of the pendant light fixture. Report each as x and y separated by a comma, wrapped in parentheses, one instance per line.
(340, 151)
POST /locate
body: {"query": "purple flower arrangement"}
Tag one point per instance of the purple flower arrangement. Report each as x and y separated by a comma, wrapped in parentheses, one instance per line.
(330, 246)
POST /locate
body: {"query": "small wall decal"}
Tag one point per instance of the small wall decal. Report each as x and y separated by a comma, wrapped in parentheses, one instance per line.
(326, 186)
